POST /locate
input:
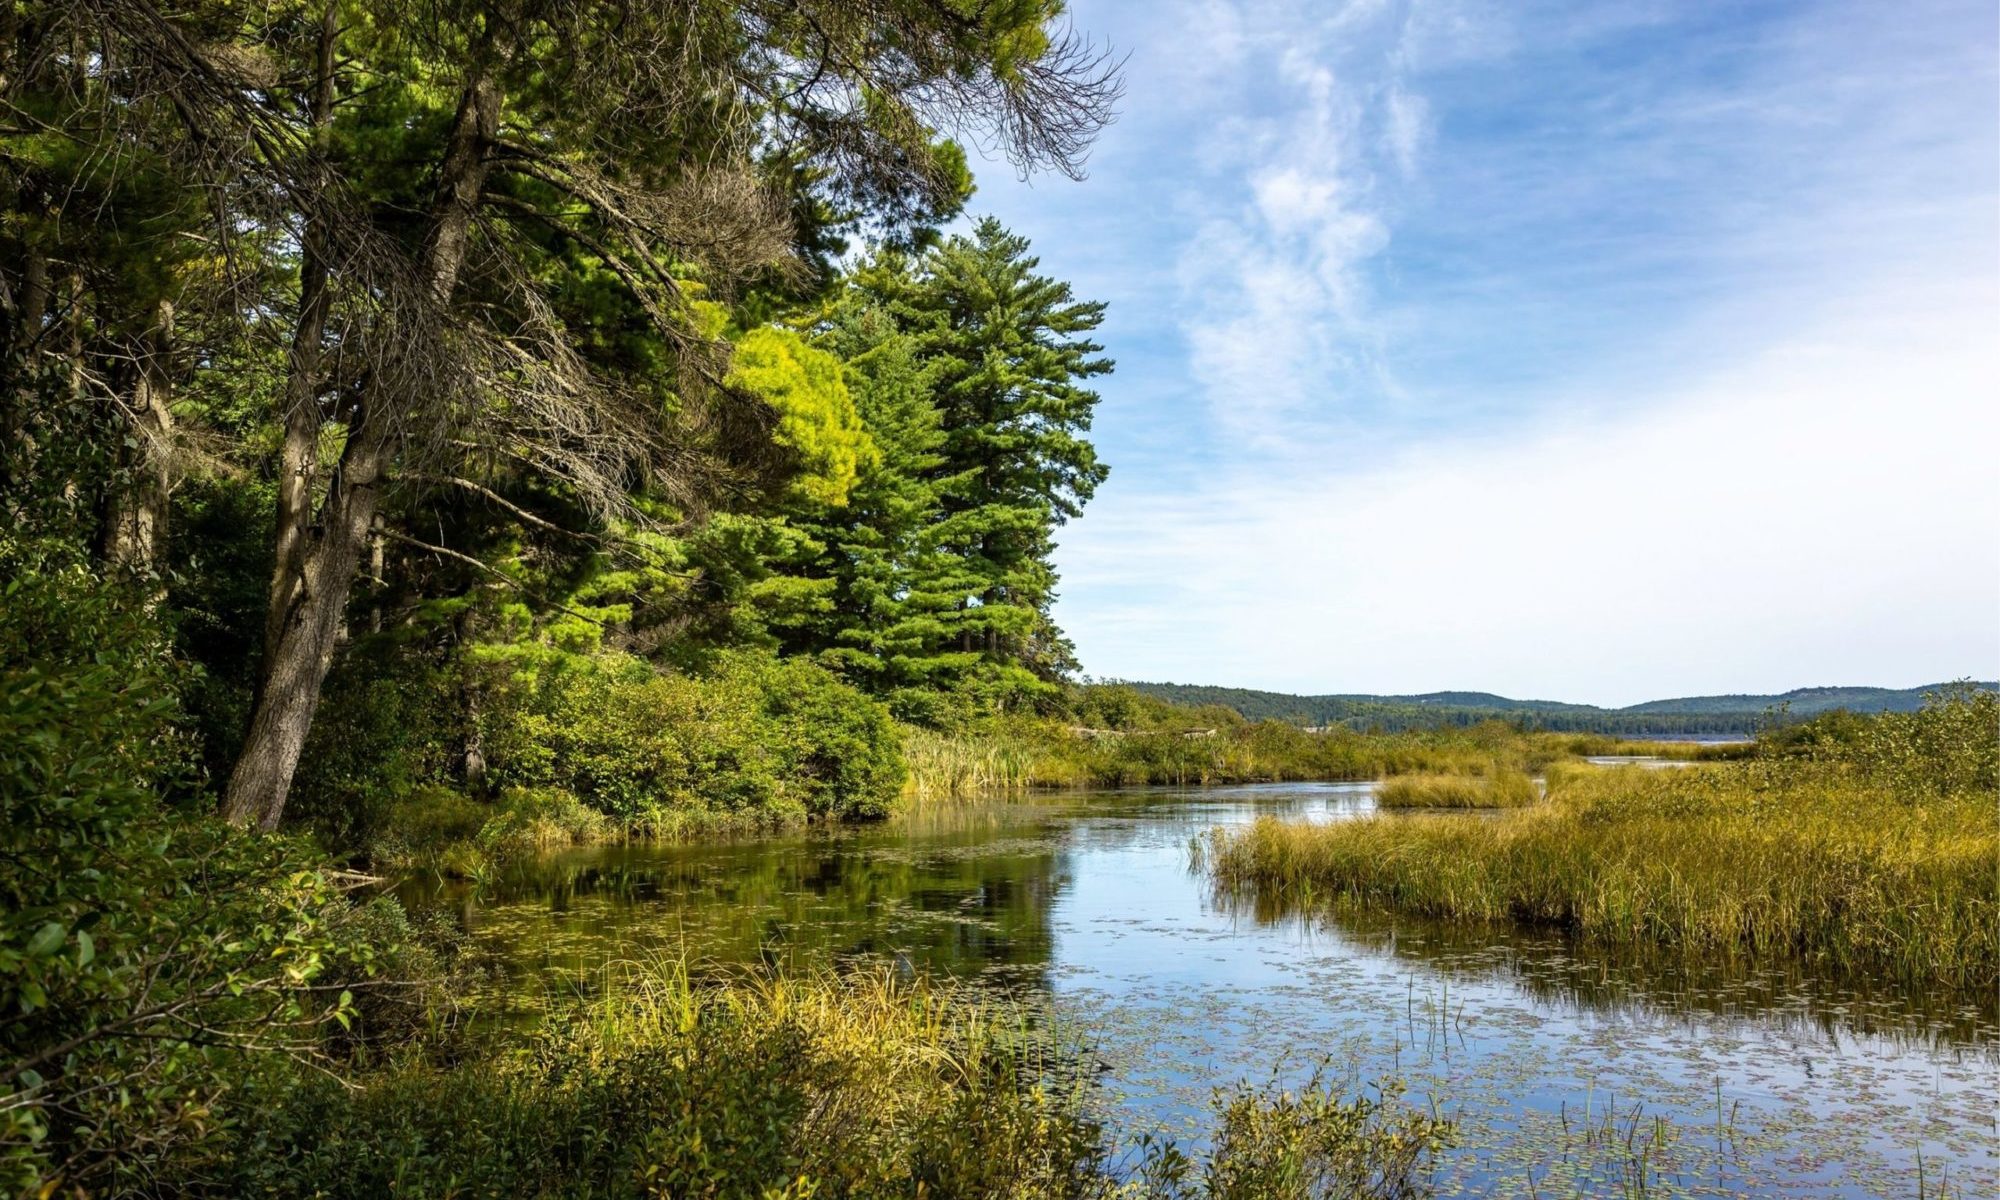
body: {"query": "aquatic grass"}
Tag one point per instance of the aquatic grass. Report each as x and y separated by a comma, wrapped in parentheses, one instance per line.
(1740, 860)
(674, 1079)
(1500, 789)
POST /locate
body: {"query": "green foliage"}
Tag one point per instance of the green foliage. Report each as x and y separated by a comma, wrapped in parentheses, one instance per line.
(1950, 746)
(1117, 736)
(817, 419)
(788, 1088)
(757, 741)
(1276, 1144)
(1687, 716)
(390, 731)
(143, 956)
(792, 1088)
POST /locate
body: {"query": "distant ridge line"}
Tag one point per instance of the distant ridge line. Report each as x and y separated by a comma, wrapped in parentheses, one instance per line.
(1736, 713)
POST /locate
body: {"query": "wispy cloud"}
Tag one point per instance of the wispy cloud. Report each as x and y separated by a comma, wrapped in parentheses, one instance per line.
(1275, 309)
(1424, 309)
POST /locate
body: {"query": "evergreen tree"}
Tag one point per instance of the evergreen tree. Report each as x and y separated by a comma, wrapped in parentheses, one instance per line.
(1010, 352)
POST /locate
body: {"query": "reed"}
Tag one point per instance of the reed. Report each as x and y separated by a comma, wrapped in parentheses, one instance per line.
(1498, 789)
(1762, 858)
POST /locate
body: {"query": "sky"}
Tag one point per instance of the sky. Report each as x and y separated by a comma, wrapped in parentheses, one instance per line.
(1584, 351)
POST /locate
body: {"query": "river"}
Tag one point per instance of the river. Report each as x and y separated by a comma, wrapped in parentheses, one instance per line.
(1568, 1070)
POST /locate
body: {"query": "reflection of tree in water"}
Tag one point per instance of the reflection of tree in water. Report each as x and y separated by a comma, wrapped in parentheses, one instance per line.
(966, 904)
(1794, 995)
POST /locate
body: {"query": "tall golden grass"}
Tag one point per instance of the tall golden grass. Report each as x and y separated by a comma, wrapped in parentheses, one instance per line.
(1761, 858)
(1498, 789)
(1021, 753)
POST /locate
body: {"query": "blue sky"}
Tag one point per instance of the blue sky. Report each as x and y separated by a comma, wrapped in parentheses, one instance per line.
(1585, 351)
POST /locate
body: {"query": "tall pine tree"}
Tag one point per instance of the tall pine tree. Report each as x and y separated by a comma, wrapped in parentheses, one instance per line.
(1011, 354)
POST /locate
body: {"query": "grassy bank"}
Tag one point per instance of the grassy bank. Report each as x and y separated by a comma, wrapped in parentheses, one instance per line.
(792, 1088)
(1172, 746)
(1874, 855)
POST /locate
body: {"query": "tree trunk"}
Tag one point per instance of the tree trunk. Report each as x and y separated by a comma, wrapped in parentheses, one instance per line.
(299, 454)
(307, 630)
(136, 513)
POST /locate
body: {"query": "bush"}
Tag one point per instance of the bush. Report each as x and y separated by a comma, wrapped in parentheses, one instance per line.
(147, 960)
(758, 741)
(1276, 1144)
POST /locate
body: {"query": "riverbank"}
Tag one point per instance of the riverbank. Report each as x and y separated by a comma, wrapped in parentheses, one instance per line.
(1173, 748)
(577, 800)
(784, 1088)
(1875, 853)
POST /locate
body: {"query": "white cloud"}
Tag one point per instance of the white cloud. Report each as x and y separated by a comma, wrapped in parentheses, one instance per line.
(1406, 127)
(1274, 305)
(1825, 513)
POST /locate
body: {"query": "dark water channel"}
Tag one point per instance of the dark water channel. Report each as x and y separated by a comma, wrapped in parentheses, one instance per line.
(1568, 1071)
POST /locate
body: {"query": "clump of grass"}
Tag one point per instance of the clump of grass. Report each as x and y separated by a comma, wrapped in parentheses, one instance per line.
(535, 820)
(945, 766)
(1824, 860)
(1501, 789)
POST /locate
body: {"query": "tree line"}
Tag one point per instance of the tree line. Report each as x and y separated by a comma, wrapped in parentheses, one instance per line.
(465, 338)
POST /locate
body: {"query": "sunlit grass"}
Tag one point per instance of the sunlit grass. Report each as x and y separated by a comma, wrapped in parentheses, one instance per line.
(1750, 859)
(1500, 789)
(666, 1082)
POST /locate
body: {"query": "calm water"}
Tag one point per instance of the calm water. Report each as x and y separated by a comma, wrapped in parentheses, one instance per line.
(1568, 1071)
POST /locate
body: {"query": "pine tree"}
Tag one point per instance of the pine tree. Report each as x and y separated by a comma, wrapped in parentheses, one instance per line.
(1010, 352)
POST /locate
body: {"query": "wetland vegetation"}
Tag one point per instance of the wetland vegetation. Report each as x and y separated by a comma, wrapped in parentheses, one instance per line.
(1866, 843)
(527, 668)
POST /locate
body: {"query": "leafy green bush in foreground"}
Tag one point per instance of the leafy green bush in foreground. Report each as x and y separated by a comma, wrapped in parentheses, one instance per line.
(150, 960)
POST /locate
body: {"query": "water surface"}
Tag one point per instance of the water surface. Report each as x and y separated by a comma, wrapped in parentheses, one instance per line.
(1569, 1071)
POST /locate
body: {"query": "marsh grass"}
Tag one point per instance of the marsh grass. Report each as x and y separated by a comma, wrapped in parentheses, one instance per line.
(1016, 754)
(670, 1081)
(1498, 789)
(1822, 860)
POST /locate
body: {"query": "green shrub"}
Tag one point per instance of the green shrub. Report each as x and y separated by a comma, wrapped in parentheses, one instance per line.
(147, 960)
(1313, 1144)
(758, 740)
(526, 821)
(838, 752)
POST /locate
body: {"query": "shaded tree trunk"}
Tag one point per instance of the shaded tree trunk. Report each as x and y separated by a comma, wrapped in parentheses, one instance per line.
(135, 525)
(299, 453)
(315, 599)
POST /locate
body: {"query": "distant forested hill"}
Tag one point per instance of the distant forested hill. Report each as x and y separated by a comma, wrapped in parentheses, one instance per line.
(1686, 715)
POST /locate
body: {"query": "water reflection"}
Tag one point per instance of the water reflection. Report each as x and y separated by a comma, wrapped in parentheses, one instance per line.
(1086, 903)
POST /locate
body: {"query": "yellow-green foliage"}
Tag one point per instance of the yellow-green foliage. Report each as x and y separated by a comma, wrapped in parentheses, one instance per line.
(1744, 859)
(529, 821)
(817, 417)
(1498, 789)
(758, 1088)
